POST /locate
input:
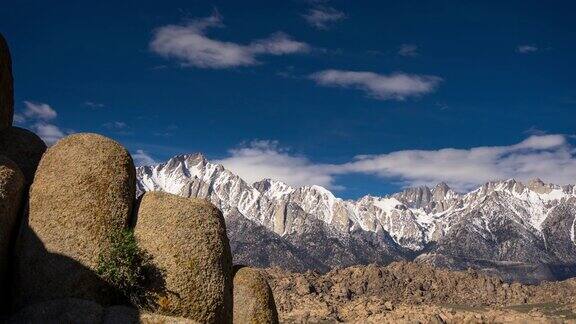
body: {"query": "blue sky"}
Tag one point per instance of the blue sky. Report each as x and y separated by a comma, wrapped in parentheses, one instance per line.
(360, 97)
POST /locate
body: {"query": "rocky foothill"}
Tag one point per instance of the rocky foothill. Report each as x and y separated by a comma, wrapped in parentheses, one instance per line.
(415, 293)
(76, 246)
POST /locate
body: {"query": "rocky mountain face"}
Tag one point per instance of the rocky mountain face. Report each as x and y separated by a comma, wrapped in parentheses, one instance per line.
(522, 231)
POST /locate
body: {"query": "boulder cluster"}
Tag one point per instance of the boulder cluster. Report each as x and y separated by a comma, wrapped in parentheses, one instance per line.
(414, 291)
(76, 245)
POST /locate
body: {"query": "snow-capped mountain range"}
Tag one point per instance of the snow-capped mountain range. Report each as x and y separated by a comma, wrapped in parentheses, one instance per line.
(501, 222)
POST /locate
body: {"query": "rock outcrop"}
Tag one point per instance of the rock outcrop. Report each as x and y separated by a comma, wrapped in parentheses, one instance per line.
(11, 187)
(366, 294)
(83, 190)
(24, 148)
(187, 240)
(6, 86)
(253, 299)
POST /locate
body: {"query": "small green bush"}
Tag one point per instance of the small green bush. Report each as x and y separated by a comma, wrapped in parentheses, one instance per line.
(126, 267)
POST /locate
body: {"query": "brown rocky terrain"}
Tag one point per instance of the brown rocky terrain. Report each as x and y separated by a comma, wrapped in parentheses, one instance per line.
(416, 293)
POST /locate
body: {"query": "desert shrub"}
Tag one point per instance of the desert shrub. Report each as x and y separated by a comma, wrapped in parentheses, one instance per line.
(127, 268)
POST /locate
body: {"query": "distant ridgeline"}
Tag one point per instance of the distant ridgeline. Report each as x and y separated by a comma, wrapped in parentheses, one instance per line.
(520, 231)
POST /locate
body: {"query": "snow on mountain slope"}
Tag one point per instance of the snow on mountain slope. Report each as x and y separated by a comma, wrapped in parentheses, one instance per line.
(413, 217)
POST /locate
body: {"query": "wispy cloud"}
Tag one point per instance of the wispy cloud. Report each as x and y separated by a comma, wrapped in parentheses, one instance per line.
(525, 49)
(408, 50)
(142, 157)
(93, 105)
(49, 133)
(549, 157)
(39, 118)
(167, 131)
(19, 119)
(38, 110)
(397, 86)
(533, 130)
(323, 17)
(116, 125)
(191, 45)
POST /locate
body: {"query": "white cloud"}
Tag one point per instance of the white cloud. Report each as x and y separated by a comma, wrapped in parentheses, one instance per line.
(525, 49)
(19, 119)
(549, 157)
(264, 159)
(49, 133)
(278, 43)
(408, 50)
(116, 125)
(192, 47)
(38, 110)
(141, 157)
(93, 105)
(397, 86)
(323, 17)
(36, 116)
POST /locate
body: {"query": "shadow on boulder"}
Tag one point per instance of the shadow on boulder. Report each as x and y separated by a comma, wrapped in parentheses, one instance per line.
(85, 304)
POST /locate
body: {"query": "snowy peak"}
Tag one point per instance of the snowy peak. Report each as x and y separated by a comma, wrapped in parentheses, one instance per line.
(273, 189)
(442, 191)
(413, 217)
(416, 197)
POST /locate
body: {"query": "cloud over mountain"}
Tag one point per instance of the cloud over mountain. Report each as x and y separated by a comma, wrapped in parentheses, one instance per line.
(549, 157)
(142, 157)
(265, 159)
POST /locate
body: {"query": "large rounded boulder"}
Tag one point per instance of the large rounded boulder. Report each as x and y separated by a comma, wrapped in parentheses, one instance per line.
(24, 148)
(11, 188)
(83, 192)
(6, 86)
(253, 299)
(187, 241)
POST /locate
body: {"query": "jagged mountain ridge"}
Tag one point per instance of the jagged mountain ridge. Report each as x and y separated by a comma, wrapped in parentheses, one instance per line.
(508, 220)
